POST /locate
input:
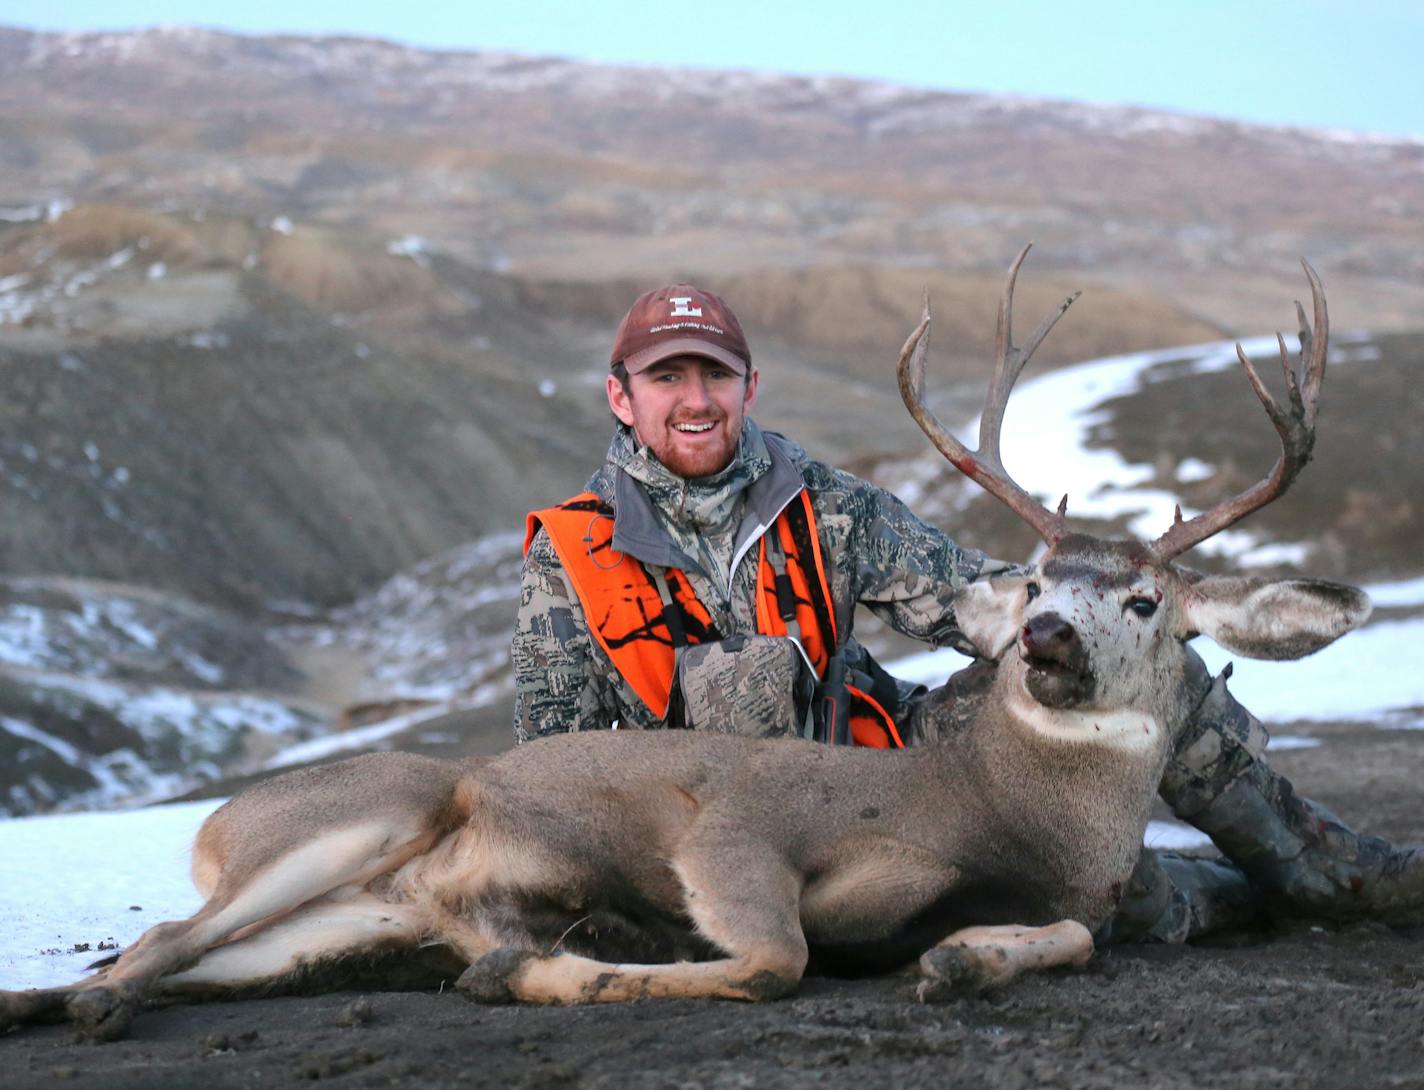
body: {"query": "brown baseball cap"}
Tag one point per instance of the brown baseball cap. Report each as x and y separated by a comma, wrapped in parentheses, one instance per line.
(680, 320)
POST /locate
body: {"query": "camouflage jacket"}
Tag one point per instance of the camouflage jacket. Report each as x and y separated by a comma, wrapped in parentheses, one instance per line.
(876, 553)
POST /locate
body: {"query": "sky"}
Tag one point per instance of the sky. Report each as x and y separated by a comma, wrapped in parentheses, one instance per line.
(1344, 64)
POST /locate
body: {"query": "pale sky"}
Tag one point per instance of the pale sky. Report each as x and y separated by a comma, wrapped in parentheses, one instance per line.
(1349, 64)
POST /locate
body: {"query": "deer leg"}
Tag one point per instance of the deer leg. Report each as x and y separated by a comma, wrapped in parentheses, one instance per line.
(748, 908)
(974, 960)
(322, 931)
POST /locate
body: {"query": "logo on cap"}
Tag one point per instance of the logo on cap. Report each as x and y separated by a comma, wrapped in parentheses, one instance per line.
(679, 320)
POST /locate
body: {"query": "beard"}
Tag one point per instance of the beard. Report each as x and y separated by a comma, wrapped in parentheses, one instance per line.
(704, 459)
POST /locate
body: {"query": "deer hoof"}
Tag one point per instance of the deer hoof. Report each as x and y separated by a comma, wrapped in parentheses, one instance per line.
(489, 979)
(950, 972)
(101, 1014)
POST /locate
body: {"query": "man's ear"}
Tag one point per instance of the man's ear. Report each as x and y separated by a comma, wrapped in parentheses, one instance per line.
(1272, 618)
(618, 401)
(989, 612)
(749, 397)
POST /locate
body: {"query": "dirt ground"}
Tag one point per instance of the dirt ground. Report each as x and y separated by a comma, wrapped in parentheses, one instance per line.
(1296, 1008)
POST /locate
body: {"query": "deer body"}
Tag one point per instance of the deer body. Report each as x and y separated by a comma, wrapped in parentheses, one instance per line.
(611, 866)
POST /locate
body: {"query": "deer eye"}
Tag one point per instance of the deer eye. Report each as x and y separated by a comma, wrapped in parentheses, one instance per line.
(1031, 590)
(1143, 607)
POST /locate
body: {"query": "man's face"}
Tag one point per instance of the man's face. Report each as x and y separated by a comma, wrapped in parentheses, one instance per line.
(688, 410)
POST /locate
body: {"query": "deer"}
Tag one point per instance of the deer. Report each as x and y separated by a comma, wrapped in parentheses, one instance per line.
(614, 866)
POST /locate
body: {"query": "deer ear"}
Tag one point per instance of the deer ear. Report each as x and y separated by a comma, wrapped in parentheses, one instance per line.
(989, 611)
(1272, 618)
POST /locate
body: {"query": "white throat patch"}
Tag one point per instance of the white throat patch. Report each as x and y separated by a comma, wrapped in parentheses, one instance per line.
(1123, 729)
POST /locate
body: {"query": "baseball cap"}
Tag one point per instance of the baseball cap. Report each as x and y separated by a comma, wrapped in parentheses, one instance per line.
(680, 320)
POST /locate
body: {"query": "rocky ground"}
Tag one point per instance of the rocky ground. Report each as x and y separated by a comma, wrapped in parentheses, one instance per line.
(1300, 1007)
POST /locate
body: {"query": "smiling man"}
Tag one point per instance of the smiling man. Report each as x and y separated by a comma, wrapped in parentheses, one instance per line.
(732, 534)
(707, 578)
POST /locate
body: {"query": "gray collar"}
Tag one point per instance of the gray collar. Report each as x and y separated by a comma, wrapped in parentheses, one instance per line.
(637, 532)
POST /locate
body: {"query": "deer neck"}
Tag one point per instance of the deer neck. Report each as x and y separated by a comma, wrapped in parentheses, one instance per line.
(1117, 753)
(1072, 788)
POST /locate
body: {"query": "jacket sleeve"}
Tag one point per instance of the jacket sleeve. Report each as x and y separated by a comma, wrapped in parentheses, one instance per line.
(905, 571)
(559, 685)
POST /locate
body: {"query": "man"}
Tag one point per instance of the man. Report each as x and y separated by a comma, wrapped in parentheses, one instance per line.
(663, 596)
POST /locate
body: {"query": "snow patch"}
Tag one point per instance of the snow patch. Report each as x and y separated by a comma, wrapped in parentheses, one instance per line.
(411, 246)
(1174, 836)
(86, 879)
(1409, 592)
(1193, 469)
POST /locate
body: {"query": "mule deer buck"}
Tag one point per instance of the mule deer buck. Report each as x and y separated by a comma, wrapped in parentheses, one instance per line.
(608, 866)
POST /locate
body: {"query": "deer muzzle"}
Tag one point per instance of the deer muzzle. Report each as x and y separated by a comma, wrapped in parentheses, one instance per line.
(1058, 669)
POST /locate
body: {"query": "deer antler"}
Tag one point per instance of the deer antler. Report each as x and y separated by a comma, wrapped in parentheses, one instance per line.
(985, 466)
(1294, 424)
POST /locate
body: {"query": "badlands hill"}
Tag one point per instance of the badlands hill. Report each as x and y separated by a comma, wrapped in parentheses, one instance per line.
(281, 316)
(286, 324)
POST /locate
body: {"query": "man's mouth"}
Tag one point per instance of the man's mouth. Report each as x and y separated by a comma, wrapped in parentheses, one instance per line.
(695, 429)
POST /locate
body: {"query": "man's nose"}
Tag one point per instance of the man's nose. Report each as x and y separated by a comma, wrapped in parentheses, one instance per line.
(695, 394)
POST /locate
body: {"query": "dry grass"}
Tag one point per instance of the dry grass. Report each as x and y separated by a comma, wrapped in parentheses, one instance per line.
(324, 273)
(91, 232)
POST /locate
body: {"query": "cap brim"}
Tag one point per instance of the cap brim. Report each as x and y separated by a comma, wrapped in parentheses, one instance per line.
(684, 346)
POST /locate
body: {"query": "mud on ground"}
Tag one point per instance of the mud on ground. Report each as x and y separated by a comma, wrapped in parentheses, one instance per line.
(1297, 1008)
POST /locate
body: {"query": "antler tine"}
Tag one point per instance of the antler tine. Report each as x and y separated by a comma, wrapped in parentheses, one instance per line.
(1295, 426)
(1009, 359)
(1313, 345)
(985, 465)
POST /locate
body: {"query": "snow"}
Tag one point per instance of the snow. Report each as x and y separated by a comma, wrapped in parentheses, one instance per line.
(411, 246)
(346, 741)
(1193, 469)
(1174, 836)
(76, 878)
(1409, 592)
(1371, 674)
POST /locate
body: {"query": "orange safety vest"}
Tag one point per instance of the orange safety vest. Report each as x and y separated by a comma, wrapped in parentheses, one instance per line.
(625, 612)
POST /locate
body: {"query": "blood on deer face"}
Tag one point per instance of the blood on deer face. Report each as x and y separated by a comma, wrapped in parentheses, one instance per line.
(1092, 621)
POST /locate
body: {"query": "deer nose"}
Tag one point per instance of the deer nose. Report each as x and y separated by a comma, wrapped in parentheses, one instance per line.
(1049, 636)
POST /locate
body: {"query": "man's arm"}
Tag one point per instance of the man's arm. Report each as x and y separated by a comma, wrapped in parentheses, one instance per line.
(904, 570)
(558, 683)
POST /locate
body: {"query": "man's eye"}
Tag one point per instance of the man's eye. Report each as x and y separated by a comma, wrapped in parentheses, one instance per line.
(1143, 607)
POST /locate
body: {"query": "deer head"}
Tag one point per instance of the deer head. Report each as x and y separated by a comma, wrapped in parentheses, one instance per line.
(1102, 625)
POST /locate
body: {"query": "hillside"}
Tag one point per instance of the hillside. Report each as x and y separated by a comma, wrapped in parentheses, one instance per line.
(281, 316)
(293, 332)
